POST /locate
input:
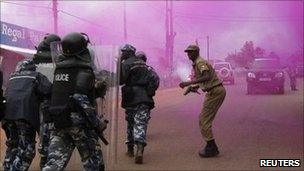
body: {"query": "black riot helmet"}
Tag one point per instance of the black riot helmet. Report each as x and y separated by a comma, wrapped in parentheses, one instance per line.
(127, 51)
(74, 44)
(128, 48)
(141, 55)
(46, 42)
(26, 65)
(43, 54)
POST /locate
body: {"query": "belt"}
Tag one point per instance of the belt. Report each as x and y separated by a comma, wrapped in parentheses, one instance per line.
(209, 89)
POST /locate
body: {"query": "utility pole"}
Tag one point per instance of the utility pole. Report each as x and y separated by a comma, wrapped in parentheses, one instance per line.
(125, 22)
(196, 42)
(167, 32)
(55, 16)
(208, 48)
(170, 34)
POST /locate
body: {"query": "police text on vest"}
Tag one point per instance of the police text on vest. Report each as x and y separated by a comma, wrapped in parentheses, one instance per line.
(62, 77)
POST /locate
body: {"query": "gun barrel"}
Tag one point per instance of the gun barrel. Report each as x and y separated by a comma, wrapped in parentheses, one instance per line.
(88, 113)
(191, 89)
(103, 139)
(186, 92)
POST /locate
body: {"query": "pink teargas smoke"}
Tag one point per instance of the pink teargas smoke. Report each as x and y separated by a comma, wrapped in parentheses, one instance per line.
(276, 26)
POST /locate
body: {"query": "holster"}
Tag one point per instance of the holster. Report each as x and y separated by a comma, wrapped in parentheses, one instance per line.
(60, 115)
(127, 92)
(45, 109)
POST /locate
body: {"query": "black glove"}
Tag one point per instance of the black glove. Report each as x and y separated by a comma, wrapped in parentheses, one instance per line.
(102, 125)
(101, 88)
(2, 107)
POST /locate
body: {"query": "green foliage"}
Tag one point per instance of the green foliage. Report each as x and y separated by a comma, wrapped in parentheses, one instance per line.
(246, 55)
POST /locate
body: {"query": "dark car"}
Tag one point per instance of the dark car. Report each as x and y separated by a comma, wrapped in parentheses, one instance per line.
(265, 74)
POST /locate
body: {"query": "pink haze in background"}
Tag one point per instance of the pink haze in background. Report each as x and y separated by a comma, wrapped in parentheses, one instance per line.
(273, 25)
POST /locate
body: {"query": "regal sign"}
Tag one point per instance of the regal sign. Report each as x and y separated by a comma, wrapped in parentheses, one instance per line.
(17, 36)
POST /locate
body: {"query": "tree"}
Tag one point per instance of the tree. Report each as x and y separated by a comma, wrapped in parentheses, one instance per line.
(259, 52)
(236, 58)
(246, 56)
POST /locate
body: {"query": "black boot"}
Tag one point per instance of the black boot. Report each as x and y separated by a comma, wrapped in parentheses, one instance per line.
(139, 153)
(101, 167)
(130, 151)
(210, 150)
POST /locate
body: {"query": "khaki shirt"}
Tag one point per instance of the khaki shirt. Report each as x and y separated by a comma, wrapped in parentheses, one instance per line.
(200, 65)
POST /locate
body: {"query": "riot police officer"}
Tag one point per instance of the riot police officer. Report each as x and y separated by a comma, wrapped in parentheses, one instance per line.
(135, 100)
(2, 100)
(43, 54)
(43, 61)
(151, 75)
(71, 108)
(26, 89)
(141, 55)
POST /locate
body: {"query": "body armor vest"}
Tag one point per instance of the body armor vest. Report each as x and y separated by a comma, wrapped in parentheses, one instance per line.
(68, 80)
(22, 100)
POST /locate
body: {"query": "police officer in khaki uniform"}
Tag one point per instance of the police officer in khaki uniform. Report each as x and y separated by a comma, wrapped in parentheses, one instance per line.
(207, 80)
(292, 77)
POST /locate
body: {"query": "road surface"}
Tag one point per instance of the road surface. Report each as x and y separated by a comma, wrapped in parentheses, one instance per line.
(247, 128)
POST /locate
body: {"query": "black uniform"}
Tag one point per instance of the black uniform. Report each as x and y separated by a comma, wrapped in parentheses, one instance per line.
(72, 129)
(24, 92)
(135, 100)
(43, 60)
(72, 76)
(133, 76)
(26, 89)
(2, 102)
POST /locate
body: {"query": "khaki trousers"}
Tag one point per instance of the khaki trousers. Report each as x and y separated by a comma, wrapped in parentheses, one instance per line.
(213, 101)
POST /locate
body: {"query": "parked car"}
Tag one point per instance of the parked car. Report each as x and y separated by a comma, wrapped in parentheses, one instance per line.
(265, 74)
(224, 71)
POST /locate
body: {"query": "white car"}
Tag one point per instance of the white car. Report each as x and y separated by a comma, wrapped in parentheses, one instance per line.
(224, 71)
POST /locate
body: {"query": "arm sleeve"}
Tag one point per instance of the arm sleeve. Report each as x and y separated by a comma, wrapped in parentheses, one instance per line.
(1, 79)
(1, 83)
(44, 86)
(201, 66)
(124, 73)
(85, 82)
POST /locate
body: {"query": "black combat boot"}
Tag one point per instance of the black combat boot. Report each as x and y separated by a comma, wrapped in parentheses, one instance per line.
(139, 153)
(130, 151)
(210, 150)
(101, 168)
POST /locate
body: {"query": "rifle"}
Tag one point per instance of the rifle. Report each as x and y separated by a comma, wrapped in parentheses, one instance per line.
(101, 134)
(82, 103)
(193, 89)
